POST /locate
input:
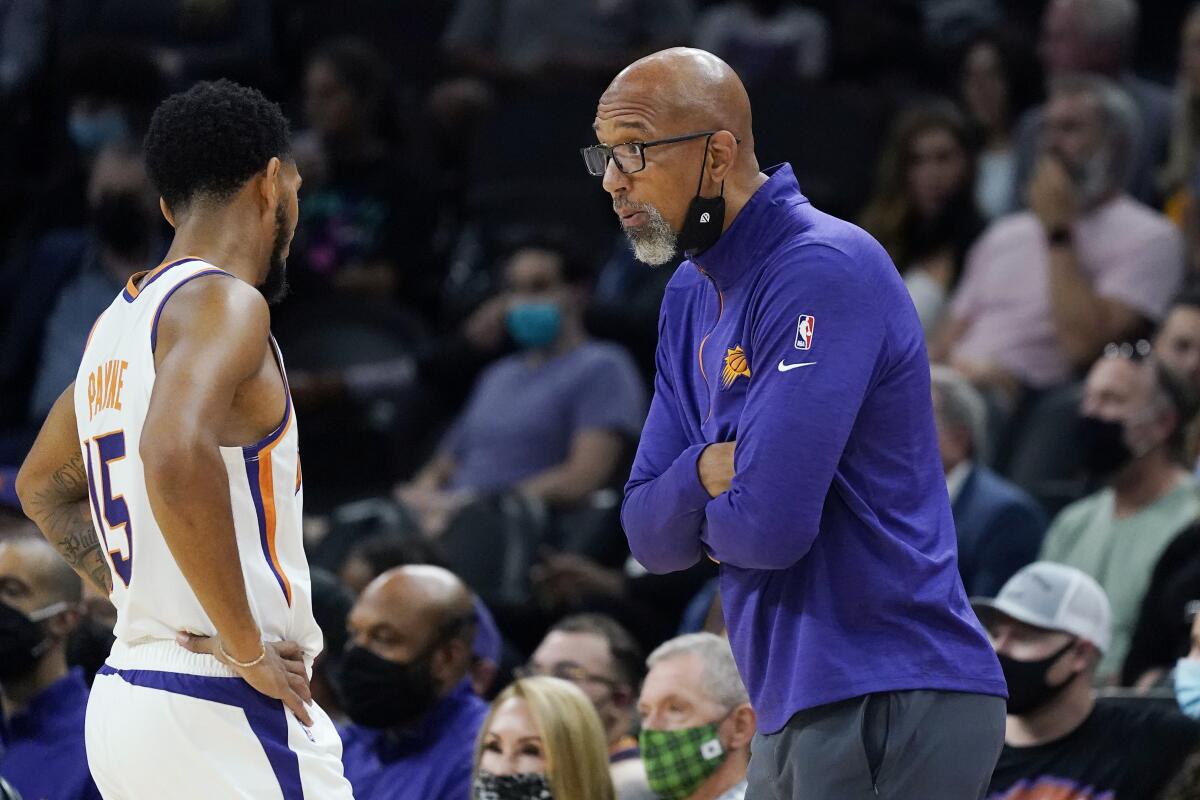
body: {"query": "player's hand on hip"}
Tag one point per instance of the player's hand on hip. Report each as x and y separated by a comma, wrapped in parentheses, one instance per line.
(716, 467)
(280, 674)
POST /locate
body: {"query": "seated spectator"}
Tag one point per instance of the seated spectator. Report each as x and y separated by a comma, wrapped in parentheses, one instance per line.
(1179, 181)
(403, 683)
(1050, 625)
(1130, 440)
(1044, 289)
(1000, 527)
(123, 236)
(697, 722)
(999, 80)
(1177, 342)
(1163, 632)
(1187, 673)
(360, 219)
(541, 739)
(69, 277)
(1098, 36)
(923, 211)
(766, 40)
(555, 39)
(552, 421)
(599, 656)
(41, 728)
(110, 90)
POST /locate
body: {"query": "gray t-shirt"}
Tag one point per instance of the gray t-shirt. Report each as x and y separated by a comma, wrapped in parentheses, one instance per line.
(521, 417)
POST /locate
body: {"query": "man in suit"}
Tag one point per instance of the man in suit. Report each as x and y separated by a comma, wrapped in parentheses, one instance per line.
(999, 526)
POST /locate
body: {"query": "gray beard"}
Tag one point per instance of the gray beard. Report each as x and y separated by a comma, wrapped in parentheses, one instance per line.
(655, 243)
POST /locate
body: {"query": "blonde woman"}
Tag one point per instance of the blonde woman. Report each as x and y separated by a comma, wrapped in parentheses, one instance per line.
(542, 740)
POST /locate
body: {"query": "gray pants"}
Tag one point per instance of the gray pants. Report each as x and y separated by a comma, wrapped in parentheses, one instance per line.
(919, 745)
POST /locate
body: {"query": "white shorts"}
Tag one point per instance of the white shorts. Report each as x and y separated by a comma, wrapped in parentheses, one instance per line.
(198, 732)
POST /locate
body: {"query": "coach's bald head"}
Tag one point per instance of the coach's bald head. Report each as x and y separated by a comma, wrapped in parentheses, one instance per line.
(415, 612)
(667, 94)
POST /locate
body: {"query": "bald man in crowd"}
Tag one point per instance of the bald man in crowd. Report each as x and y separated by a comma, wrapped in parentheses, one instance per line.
(41, 719)
(404, 683)
(791, 439)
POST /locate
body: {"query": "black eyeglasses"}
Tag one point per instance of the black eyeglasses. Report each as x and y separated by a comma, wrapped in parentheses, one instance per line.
(630, 156)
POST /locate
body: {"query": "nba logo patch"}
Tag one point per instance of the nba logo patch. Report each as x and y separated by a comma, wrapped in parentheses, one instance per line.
(804, 332)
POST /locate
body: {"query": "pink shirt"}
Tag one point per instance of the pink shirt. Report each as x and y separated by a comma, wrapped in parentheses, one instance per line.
(1130, 253)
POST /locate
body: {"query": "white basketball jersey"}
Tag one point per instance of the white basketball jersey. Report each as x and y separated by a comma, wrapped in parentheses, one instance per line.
(112, 396)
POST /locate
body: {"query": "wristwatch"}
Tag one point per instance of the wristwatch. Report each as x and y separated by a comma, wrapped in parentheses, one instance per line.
(1059, 237)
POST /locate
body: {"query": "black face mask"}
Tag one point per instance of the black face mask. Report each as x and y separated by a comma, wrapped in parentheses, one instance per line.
(119, 219)
(23, 640)
(1027, 686)
(525, 786)
(1102, 448)
(379, 693)
(705, 217)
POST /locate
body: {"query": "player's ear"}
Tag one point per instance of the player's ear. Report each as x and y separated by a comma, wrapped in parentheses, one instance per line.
(269, 186)
(166, 211)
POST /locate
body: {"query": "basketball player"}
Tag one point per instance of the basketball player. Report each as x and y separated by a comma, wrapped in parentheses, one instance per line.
(177, 442)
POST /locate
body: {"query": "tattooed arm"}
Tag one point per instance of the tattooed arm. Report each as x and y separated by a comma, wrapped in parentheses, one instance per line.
(52, 486)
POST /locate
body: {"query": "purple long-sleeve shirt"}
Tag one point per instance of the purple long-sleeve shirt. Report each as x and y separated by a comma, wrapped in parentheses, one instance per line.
(794, 336)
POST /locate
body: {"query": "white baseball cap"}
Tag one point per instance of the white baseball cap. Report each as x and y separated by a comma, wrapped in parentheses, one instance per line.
(1056, 597)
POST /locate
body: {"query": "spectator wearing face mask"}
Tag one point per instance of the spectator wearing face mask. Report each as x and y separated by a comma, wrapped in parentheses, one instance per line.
(541, 740)
(403, 681)
(1130, 438)
(1043, 290)
(1050, 625)
(1187, 671)
(551, 421)
(697, 721)
(73, 275)
(42, 719)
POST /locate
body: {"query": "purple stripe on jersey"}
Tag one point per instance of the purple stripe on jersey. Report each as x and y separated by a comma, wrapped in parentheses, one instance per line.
(129, 298)
(252, 475)
(162, 303)
(251, 451)
(267, 716)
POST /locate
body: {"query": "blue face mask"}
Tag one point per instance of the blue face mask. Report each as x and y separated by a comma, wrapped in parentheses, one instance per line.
(534, 325)
(1187, 686)
(90, 132)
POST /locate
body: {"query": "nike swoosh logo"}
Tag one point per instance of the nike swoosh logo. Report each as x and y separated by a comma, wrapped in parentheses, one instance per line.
(788, 367)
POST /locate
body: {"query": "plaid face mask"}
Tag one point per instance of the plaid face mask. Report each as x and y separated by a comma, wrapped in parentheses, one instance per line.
(677, 762)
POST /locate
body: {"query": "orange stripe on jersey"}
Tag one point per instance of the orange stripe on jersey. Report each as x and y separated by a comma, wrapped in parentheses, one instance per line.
(131, 288)
(266, 486)
(299, 475)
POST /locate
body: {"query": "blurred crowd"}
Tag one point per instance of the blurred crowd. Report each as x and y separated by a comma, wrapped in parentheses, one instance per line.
(470, 345)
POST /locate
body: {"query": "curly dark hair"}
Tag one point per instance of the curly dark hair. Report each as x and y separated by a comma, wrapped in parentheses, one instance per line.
(208, 141)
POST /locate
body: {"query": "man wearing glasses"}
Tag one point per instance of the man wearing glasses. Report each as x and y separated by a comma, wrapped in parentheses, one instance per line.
(597, 654)
(791, 439)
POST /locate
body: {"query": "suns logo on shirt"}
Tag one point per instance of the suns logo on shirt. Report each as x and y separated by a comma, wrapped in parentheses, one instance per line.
(736, 366)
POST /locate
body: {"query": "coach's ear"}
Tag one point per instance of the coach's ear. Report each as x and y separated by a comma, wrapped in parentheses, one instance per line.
(166, 211)
(269, 188)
